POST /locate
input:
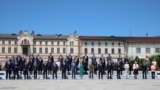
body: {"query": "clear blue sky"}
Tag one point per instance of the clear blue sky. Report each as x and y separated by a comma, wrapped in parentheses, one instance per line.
(88, 17)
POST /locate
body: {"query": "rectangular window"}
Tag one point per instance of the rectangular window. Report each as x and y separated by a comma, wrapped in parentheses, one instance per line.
(46, 50)
(3, 42)
(58, 50)
(157, 50)
(34, 50)
(119, 51)
(40, 50)
(15, 42)
(119, 44)
(147, 50)
(106, 43)
(85, 50)
(46, 43)
(64, 50)
(9, 50)
(52, 42)
(3, 49)
(58, 43)
(99, 43)
(15, 50)
(40, 42)
(52, 50)
(112, 43)
(92, 43)
(71, 50)
(92, 50)
(34, 42)
(64, 43)
(85, 43)
(138, 50)
(112, 51)
(99, 50)
(106, 51)
(9, 42)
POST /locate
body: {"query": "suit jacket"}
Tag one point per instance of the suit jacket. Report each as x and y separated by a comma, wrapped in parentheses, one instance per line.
(100, 67)
(144, 66)
(109, 66)
(54, 67)
(63, 67)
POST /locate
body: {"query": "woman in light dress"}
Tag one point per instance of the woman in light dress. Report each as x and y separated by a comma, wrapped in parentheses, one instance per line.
(135, 69)
(126, 67)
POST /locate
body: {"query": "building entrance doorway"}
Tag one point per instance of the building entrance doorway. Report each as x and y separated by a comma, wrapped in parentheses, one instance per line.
(25, 51)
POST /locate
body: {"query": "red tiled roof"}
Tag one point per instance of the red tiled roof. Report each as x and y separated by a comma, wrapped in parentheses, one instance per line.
(126, 39)
(143, 40)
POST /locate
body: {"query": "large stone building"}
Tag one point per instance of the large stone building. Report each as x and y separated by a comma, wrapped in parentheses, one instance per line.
(25, 43)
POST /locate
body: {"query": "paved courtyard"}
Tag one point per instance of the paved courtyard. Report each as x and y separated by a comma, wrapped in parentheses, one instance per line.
(79, 84)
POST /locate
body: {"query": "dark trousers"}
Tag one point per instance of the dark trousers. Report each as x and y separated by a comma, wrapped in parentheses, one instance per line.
(30, 72)
(118, 74)
(130, 71)
(63, 74)
(85, 69)
(103, 69)
(25, 72)
(35, 74)
(54, 74)
(45, 74)
(73, 74)
(100, 73)
(153, 75)
(121, 69)
(144, 74)
(91, 74)
(68, 69)
(40, 71)
(109, 74)
(8, 74)
(16, 74)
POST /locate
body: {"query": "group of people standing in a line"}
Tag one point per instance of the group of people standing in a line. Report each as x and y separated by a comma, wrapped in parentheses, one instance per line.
(19, 65)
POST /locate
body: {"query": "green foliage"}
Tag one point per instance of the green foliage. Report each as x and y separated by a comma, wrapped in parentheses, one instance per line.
(156, 57)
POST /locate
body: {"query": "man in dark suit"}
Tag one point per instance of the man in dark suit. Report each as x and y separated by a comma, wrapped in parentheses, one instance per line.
(76, 59)
(94, 61)
(31, 62)
(120, 62)
(102, 60)
(73, 69)
(35, 68)
(12, 61)
(45, 70)
(16, 69)
(85, 63)
(8, 69)
(144, 69)
(100, 70)
(60, 59)
(25, 70)
(63, 69)
(40, 66)
(70, 60)
(50, 61)
(55, 69)
(22, 62)
(109, 68)
(118, 69)
(67, 64)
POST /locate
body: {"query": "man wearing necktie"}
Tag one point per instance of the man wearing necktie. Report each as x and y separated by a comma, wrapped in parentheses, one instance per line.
(144, 69)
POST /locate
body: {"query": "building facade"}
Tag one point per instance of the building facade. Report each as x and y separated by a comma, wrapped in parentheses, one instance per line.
(25, 43)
